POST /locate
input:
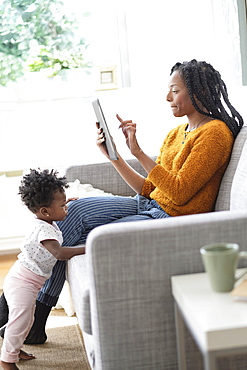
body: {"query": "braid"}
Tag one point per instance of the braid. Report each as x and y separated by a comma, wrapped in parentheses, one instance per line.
(206, 90)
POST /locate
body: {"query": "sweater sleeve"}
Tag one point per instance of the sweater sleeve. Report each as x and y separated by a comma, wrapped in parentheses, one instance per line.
(148, 186)
(205, 152)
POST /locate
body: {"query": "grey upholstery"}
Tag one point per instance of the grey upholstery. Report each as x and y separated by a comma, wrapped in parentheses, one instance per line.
(223, 200)
(103, 176)
(239, 183)
(121, 288)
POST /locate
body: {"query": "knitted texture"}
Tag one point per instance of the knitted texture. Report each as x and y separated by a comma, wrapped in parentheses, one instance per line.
(187, 177)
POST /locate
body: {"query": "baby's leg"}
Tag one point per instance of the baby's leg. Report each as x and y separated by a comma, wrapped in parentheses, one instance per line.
(11, 365)
(20, 321)
(8, 365)
(21, 295)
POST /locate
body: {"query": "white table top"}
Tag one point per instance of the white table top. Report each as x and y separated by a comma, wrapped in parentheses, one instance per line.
(216, 319)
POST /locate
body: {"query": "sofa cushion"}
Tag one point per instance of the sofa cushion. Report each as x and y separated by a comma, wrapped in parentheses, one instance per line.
(238, 199)
(104, 176)
(76, 189)
(224, 195)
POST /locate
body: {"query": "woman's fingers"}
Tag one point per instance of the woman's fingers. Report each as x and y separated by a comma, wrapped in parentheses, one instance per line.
(129, 129)
(123, 123)
(100, 140)
(101, 137)
(99, 130)
(119, 118)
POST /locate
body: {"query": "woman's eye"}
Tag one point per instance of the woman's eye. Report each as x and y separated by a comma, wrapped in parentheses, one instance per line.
(175, 91)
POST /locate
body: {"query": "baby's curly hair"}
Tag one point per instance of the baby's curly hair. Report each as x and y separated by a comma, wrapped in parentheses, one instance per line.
(38, 187)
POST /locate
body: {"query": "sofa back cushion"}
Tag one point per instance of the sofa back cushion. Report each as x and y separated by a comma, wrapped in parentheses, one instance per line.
(224, 195)
(104, 176)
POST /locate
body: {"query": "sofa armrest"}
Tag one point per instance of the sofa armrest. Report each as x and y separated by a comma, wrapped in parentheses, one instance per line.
(129, 270)
(86, 320)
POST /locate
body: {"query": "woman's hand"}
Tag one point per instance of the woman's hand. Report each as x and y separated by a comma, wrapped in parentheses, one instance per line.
(129, 131)
(101, 141)
(130, 176)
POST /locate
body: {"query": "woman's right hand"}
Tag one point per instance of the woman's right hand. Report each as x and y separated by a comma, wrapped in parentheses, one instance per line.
(101, 141)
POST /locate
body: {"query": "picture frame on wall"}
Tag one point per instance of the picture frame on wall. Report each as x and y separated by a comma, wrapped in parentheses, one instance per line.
(106, 78)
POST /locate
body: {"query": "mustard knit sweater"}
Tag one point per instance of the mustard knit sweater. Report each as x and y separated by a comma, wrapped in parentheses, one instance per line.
(188, 173)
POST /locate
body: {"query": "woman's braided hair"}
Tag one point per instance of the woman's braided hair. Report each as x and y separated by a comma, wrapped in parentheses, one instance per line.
(38, 187)
(206, 86)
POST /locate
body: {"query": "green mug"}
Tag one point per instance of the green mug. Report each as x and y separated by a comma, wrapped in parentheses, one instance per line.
(220, 262)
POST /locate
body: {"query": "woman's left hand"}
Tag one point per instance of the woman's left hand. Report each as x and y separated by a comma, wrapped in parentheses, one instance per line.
(129, 131)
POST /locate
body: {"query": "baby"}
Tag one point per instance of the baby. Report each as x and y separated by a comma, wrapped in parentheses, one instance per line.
(43, 192)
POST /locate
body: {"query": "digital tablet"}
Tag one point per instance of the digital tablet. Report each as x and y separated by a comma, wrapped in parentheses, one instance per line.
(102, 123)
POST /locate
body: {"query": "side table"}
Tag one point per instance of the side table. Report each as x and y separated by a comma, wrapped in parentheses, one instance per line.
(216, 321)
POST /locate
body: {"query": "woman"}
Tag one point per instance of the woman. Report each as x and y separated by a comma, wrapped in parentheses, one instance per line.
(184, 179)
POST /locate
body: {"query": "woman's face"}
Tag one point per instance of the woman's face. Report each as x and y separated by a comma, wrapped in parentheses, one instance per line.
(178, 97)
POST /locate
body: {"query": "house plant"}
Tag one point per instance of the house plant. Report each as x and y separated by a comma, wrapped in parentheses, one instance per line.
(58, 61)
(37, 26)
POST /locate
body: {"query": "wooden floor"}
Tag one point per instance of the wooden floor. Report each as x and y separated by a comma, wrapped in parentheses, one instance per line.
(5, 263)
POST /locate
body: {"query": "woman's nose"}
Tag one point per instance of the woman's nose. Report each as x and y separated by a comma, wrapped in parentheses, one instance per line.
(168, 96)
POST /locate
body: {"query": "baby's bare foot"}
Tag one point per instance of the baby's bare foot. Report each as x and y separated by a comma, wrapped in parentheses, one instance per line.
(12, 366)
(8, 365)
(25, 356)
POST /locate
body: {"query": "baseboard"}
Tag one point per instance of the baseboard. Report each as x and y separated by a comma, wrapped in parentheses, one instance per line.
(10, 245)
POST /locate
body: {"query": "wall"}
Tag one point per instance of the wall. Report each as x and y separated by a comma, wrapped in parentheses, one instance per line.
(59, 117)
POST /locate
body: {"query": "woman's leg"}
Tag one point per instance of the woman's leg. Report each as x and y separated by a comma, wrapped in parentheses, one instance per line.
(87, 213)
(4, 311)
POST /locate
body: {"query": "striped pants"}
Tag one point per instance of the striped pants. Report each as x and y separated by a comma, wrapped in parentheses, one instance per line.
(84, 215)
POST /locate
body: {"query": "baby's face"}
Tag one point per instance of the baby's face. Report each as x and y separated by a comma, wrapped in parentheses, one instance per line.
(58, 209)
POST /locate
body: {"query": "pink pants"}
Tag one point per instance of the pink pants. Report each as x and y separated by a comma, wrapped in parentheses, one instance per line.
(20, 287)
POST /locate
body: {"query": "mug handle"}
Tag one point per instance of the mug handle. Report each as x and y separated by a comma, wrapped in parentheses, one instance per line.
(241, 255)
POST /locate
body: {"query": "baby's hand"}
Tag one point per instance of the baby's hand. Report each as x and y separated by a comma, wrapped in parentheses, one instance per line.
(71, 199)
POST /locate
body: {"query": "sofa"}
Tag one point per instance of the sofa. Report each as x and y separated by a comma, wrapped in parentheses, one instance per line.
(121, 287)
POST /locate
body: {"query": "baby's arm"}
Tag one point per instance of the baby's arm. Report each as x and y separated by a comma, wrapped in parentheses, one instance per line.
(61, 253)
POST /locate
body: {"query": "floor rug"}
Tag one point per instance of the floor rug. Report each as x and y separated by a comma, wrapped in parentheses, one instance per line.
(64, 349)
